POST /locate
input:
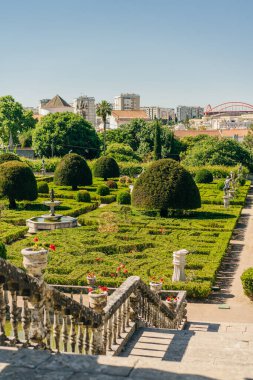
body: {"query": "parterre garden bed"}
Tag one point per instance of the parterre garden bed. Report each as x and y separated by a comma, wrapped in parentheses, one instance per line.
(143, 244)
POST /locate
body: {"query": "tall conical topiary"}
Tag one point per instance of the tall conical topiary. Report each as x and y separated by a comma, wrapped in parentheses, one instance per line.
(17, 182)
(73, 171)
(166, 185)
(106, 167)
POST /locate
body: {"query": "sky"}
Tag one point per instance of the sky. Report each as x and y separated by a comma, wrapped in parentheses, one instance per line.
(171, 52)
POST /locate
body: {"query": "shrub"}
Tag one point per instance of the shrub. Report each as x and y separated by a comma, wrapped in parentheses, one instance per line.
(204, 176)
(3, 252)
(106, 167)
(43, 187)
(17, 182)
(247, 281)
(103, 190)
(220, 184)
(125, 180)
(241, 180)
(122, 152)
(124, 198)
(83, 196)
(107, 199)
(111, 184)
(166, 185)
(73, 171)
(4, 157)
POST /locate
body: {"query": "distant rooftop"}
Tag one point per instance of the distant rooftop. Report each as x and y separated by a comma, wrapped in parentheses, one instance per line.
(135, 114)
(56, 102)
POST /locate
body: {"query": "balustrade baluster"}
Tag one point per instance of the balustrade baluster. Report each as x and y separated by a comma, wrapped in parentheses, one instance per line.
(97, 341)
(14, 315)
(80, 338)
(128, 312)
(25, 319)
(119, 322)
(56, 330)
(110, 334)
(64, 332)
(72, 334)
(114, 331)
(87, 340)
(105, 335)
(81, 298)
(47, 325)
(124, 317)
(2, 314)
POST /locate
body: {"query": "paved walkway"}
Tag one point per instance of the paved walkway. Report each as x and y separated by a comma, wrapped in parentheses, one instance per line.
(239, 258)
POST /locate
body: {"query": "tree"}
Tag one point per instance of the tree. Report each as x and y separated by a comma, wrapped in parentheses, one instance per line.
(106, 167)
(157, 142)
(13, 119)
(104, 109)
(73, 171)
(166, 185)
(122, 152)
(17, 182)
(58, 133)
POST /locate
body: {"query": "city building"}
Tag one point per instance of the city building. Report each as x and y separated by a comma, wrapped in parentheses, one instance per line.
(57, 104)
(127, 102)
(236, 134)
(184, 112)
(159, 113)
(85, 106)
(118, 118)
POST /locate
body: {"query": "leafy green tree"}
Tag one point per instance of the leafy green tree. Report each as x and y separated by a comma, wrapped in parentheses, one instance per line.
(13, 119)
(104, 109)
(157, 142)
(58, 133)
(122, 152)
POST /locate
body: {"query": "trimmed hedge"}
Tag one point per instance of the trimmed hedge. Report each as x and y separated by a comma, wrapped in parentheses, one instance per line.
(124, 197)
(83, 196)
(5, 157)
(106, 167)
(203, 176)
(111, 184)
(3, 252)
(247, 282)
(43, 187)
(103, 190)
(166, 185)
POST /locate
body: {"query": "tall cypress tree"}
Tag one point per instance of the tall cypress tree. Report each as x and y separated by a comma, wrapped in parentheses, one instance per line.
(157, 142)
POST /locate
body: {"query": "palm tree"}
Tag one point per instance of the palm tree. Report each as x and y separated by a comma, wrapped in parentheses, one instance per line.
(103, 109)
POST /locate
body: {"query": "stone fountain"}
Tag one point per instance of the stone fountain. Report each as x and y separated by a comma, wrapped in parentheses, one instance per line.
(50, 221)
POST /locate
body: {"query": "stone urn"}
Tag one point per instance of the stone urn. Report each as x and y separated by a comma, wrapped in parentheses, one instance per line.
(91, 280)
(155, 286)
(34, 261)
(97, 301)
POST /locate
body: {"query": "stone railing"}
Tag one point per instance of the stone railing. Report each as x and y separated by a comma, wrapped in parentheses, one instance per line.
(41, 316)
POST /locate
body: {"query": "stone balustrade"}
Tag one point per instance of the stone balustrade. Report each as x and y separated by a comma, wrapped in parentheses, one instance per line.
(41, 316)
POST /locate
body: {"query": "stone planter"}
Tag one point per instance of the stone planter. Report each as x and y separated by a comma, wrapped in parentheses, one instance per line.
(171, 304)
(34, 261)
(155, 286)
(97, 301)
(91, 280)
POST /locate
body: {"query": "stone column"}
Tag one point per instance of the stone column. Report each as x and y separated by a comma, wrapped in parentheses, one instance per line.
(179, 265)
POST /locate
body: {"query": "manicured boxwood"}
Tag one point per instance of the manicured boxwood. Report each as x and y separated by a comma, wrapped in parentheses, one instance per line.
(4, 157)
(166, 185)
(83, 196)
(112, 184)
(106, 167)
(247, 282)
(103, 190)
(73, 171)
(220, 184)
(43, 187)
(3, 252)
(124, 197)
(203, 176)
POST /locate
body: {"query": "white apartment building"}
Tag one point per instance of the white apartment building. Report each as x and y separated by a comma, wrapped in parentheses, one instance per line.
(223, 122)
(184, 112)
(127, 102)
(159, 113)
(85, 106)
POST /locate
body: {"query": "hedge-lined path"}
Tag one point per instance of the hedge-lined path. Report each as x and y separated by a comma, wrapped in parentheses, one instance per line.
(238, 258)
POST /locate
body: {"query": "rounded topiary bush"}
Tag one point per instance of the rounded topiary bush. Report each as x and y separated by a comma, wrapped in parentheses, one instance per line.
(166, 185)
(103, 190)
(111, 184)
(124, 198)
(4, 157)
(73, 171)
(203, 176)
(83, 196)
(3, 251)
(247, 282)
(43, 187)
(17, 182)
(125, 180)
(106, 167)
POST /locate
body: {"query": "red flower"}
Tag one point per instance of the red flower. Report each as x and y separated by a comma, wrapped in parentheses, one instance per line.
(161, 279)
(90, 290)
(98, 259)
(122, 265)
(125, 271)
(52, 247)
(168, 299)
(35, 239)
(103, 288)
(112, 274)
(118, 269)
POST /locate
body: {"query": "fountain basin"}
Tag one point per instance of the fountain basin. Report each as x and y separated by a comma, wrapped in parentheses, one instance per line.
(51, 217)
(40, 223)
(52, 203)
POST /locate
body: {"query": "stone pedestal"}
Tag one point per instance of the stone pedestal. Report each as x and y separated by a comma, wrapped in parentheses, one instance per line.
(179, 265)
(35, 261)
(226, 201)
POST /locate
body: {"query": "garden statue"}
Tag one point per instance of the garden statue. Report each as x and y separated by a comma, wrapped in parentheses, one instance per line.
(227, 185)
(51, 195)
(179, 265)
(43, 168)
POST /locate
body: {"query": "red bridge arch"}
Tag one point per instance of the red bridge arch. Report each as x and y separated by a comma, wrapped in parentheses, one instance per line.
(229, 108)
